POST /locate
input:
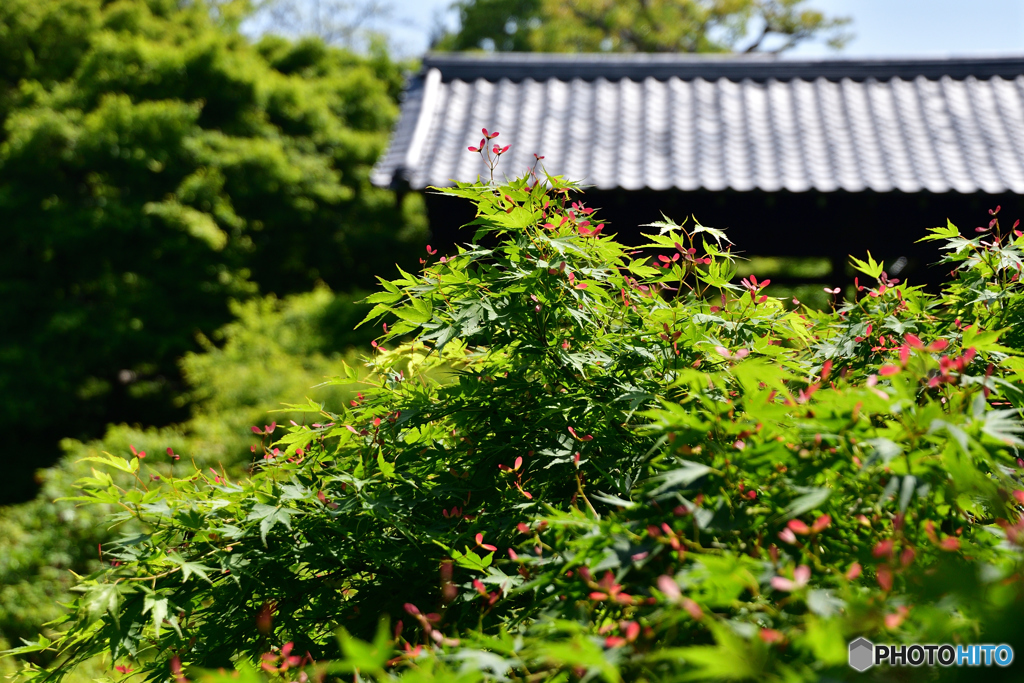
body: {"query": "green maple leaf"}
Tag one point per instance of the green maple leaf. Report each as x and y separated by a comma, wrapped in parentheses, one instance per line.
(190, 568)
(158, 606)
(269, 516)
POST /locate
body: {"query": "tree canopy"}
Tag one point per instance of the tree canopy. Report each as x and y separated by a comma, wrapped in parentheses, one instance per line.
(640, 25)
(154, 164)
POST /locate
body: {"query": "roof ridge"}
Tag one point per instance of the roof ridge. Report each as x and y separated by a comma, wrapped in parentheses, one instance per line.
(519, 66)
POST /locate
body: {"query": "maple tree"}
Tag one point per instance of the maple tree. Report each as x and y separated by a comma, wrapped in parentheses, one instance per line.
(573, 460)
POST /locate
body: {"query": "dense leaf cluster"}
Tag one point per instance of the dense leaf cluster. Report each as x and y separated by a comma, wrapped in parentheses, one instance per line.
(594, 463)
(636, 26)
(155, 163)
(274, 351)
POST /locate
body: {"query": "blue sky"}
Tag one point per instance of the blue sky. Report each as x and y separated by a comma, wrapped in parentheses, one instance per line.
(927, 27)
(882, 27)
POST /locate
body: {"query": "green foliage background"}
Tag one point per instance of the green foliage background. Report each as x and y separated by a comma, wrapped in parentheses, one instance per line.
(154, 165)
(275, 351)
(640, 26)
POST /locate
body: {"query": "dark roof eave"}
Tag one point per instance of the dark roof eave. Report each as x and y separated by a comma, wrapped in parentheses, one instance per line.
(516, 66)
(405, 184)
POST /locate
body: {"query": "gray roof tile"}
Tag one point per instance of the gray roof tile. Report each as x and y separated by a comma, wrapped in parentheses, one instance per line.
(660, 121)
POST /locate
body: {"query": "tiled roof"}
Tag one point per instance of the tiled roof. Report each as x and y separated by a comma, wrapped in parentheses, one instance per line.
(670, 121)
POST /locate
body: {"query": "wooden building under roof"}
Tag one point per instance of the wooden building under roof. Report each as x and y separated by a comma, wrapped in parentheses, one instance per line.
(793, 157)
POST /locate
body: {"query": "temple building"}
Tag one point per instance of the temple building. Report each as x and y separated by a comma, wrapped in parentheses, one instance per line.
(799, 158)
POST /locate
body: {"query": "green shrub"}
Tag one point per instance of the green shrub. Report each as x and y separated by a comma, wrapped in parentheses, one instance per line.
(275, 351)
(590, 465)
(155, 164)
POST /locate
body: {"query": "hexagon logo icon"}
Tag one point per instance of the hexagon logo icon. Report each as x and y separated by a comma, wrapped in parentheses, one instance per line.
(862, 654)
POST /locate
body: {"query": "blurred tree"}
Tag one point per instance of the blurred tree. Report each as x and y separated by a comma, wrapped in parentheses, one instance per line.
(154, 164)
(273, 351)
(352, 24)
(639, 26)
